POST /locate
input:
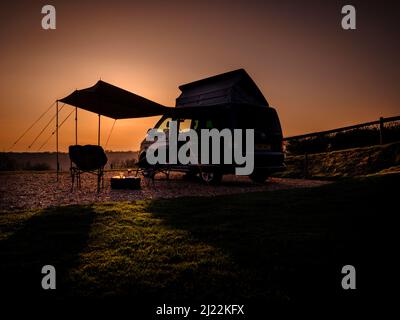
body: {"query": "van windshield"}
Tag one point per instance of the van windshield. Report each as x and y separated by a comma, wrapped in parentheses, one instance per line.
(184, 125)
(163, 124)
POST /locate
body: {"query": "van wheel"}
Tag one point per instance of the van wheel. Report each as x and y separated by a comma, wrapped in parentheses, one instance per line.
(211, 177)
(259, 176)
(191, 176)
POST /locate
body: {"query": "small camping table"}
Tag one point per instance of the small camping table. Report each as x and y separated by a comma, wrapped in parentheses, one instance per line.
(122, 182)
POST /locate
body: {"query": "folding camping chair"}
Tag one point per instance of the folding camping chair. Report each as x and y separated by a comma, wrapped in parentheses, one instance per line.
(87, 159)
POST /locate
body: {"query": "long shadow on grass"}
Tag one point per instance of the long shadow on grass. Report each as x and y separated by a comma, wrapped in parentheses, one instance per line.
(291, 245)
(54, 236)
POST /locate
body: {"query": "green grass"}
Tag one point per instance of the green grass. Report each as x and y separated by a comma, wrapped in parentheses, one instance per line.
(282, 246)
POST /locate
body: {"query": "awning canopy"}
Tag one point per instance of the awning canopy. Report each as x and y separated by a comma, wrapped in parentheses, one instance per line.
(114, 102)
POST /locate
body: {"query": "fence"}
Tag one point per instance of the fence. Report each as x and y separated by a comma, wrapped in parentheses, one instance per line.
(381, 122)
(382, 137)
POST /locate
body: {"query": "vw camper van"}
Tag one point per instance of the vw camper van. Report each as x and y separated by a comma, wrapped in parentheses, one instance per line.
(226, 101)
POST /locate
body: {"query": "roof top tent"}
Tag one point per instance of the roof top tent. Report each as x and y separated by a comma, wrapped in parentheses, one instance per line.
(234, 87)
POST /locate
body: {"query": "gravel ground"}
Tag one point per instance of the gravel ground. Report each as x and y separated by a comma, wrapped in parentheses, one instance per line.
(25, 190)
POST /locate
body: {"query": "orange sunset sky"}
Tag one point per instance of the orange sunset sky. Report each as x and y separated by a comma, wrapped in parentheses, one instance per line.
(317, 75)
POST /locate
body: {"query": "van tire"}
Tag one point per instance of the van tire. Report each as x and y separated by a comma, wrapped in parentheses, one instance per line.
(191, 176)
(259, 176)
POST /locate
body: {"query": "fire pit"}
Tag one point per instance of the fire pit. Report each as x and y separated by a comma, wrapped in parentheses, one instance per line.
(122, 182)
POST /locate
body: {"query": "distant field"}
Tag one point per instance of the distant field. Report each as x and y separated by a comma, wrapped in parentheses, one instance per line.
(285, 246)
(47, 160)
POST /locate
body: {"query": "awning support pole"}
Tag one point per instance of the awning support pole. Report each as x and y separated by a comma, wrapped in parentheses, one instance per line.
(58, 164)
(98, 133)
(76, 125)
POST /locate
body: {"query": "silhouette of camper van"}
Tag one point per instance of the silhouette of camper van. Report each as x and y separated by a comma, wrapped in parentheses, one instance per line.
(231, 100)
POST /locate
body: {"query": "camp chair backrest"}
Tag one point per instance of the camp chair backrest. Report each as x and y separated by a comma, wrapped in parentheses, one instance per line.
(88, 157)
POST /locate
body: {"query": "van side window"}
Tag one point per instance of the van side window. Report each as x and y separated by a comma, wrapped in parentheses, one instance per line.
(209, 124)
(195, 124)
(262, 120)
